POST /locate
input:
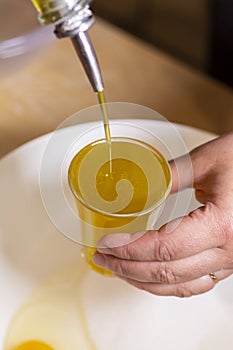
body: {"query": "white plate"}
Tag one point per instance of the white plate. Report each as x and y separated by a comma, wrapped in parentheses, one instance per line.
(31, 248)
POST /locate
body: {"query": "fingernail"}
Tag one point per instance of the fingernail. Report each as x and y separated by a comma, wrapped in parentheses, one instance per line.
(99, 260)
(112, 241)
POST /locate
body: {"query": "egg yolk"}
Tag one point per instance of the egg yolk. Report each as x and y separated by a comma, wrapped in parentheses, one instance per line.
(33, 345)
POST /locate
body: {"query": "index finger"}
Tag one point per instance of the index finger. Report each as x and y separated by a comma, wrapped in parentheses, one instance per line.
(195, 233)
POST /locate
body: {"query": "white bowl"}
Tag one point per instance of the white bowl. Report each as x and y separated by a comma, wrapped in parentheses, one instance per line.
(118, 315)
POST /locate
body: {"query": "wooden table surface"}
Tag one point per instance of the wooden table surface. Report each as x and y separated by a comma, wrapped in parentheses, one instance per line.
(36, 99)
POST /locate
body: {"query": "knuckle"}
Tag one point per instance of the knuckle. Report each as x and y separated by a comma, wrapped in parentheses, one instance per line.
(163, 275)
(227, 228)
(126, 252)
(129, 252)
(227, 260)
(120, 268)
(164, 249)
(183, 291)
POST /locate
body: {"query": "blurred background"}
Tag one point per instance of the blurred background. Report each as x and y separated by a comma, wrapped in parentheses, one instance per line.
(199, 32)
(174, 56)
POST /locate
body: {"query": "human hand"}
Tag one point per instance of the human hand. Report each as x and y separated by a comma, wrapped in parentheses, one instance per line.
(185, 261)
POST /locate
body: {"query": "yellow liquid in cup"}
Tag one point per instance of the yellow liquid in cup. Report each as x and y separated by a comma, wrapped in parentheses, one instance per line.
(111, 193)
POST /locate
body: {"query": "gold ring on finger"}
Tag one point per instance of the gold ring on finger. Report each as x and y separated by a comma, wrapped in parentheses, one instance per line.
(213, 277)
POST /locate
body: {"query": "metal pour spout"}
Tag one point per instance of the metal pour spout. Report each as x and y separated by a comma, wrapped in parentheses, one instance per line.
(75, 27)
(87, 56)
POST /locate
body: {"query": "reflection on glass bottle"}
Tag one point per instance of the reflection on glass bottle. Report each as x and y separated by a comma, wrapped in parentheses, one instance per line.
(51, 11)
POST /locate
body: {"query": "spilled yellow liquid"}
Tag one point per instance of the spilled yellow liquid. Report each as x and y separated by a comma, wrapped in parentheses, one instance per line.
(52, 317)
(34, 345)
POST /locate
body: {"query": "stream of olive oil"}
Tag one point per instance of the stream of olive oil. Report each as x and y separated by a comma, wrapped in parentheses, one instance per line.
(103, 107)
(102, 102)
